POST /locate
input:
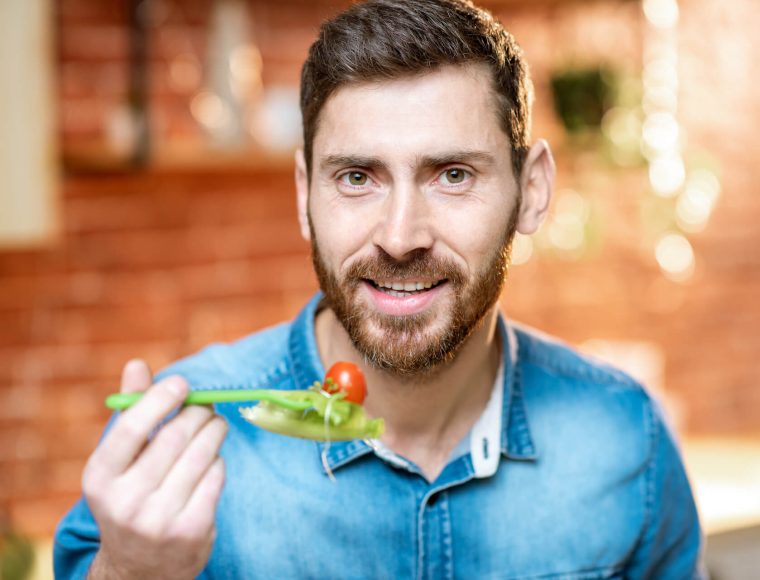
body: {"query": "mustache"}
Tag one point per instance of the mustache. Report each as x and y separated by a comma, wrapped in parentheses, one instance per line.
(419, 264)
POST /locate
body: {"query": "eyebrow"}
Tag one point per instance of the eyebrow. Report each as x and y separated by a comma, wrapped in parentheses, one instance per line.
(465, 156)
(331, 161)
(421, 161)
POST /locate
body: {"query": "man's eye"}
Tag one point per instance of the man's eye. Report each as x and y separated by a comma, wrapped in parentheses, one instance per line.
(356, 178)
(454, 176)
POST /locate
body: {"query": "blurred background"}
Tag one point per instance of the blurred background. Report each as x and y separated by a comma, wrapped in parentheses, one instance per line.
(147, 208)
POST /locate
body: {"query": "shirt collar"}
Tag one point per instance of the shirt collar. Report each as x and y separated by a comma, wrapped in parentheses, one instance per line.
(307, 367)
(516, 440)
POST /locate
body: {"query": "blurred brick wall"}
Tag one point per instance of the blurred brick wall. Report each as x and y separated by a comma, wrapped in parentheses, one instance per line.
(157, 263)
(151, 266)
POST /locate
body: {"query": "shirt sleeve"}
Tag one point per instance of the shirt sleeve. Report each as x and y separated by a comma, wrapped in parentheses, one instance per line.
(77, 540)
(671, 542)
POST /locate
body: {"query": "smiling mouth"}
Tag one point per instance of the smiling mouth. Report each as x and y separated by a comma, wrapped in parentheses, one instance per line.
(404, 289)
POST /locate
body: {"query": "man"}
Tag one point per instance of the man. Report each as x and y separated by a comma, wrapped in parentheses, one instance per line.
(505, 453)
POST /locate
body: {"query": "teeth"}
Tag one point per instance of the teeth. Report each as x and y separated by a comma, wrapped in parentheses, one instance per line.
(405, 286)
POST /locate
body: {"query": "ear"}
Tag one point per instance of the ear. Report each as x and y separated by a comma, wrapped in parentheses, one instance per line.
(302, 195)
(537, 183)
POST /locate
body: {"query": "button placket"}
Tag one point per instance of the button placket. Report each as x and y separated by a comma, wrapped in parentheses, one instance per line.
(436, 546)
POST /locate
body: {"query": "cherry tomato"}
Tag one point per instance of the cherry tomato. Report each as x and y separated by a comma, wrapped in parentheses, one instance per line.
(348, 378)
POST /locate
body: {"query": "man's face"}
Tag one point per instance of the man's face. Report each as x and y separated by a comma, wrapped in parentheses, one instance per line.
(411, 211)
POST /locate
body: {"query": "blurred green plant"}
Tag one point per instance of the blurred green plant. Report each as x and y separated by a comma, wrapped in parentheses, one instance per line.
(16, 554)
(581, 97)
(611, 126)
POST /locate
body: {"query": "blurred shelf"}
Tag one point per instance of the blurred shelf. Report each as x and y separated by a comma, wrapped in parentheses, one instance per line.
(99, 158)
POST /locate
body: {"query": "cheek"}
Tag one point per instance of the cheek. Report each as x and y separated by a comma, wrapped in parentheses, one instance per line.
(475, 235)
(339, 234)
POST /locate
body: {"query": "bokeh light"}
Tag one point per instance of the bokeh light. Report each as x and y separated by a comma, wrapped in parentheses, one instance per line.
(210, 110)
(567, 228)
(622, 126)
(697, 201)
(660, 132)
(675, 256)
(661, 13)
(245, 71)
(522, 249)
(667, 174)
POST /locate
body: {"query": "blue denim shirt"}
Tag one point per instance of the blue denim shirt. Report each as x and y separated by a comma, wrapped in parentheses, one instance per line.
(589, 485)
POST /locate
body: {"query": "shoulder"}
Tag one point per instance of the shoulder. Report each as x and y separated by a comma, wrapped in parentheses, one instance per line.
(255, 361)
(549, 355)
(548, 366)
(581, 406)
(604, 448)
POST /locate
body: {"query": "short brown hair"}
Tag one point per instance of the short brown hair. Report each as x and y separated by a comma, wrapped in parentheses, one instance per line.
(387, 39)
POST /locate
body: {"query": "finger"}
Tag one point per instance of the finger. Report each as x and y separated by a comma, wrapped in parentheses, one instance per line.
(186, 474)
(199, 512)
(136, 376)
(132, 429)
(151, 467)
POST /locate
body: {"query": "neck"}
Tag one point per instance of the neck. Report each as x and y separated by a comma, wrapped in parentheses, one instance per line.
(424, 419)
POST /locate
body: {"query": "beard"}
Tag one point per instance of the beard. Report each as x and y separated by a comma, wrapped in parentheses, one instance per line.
(411, 345)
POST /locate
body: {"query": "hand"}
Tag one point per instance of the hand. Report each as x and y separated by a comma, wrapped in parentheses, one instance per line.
(155, 499)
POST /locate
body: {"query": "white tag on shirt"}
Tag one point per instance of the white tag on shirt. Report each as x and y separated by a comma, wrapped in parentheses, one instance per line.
(485, 435)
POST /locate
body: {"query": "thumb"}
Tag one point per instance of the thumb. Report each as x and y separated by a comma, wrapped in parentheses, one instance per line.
(136, 376)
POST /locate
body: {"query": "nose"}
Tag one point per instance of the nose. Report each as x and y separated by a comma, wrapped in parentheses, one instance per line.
(405, 223)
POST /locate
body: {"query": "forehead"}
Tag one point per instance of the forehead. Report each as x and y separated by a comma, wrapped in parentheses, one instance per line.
(450, 108)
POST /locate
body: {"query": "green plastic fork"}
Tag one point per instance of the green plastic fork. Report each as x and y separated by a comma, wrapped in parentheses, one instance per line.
(122, 401)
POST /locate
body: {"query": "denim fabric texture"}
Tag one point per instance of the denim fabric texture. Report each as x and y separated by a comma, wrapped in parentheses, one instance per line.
(590, 483)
